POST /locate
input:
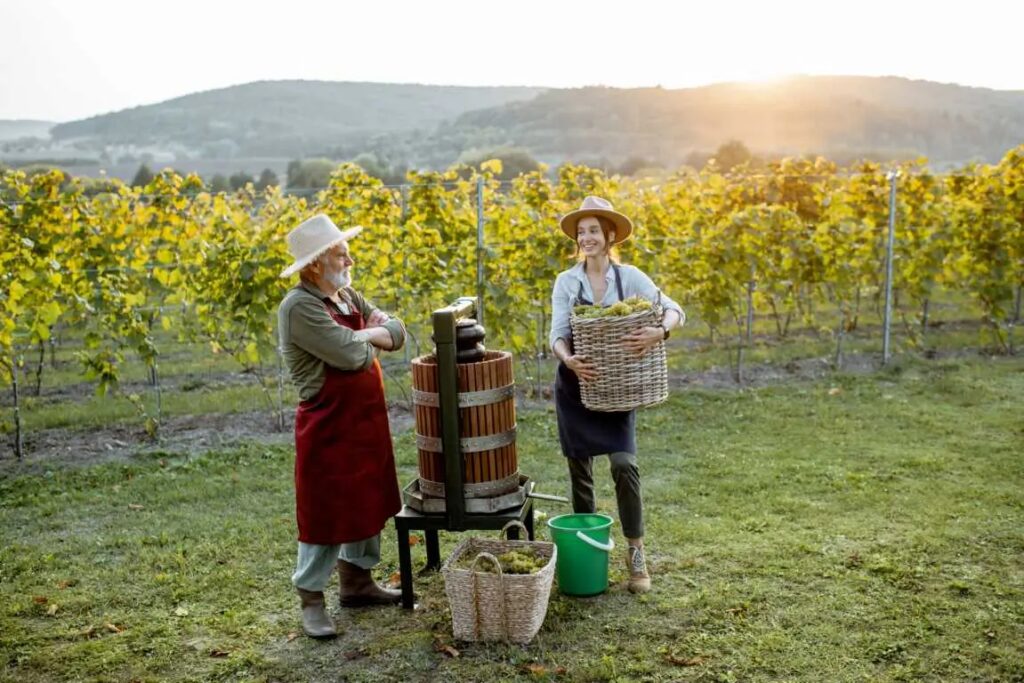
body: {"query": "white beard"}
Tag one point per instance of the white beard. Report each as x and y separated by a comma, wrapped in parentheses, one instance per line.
(339, 279)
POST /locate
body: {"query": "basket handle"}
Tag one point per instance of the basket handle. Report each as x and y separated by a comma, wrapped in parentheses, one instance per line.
(514, 522)
(596, 544)
(486, 556)
(483, 555)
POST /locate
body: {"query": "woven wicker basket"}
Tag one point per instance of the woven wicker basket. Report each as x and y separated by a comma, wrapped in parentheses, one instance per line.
(625, 380)
(497, 607)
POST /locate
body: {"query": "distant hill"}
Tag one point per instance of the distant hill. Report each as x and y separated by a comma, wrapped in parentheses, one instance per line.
(24, 128)
(286, 118)
(425, 126)
(835, 116)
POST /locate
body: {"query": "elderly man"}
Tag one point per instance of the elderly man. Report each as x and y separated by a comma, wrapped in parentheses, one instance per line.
(346, 487)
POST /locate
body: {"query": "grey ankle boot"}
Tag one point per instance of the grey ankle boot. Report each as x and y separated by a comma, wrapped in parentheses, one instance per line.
(315, 621)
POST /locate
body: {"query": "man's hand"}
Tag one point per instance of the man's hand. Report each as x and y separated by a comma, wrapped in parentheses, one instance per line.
(377, 318)
(377, 336)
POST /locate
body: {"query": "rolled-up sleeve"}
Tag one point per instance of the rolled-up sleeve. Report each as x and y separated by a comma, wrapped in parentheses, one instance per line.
(397, 330)
(561, 307)
(643, 286)
(314, 331)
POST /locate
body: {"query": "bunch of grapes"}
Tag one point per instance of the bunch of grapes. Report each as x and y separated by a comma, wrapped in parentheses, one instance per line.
(520, 561)
(523, 561)
(633, 304)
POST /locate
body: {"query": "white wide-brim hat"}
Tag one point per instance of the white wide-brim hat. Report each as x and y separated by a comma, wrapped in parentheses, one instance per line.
(312, 238)
(596, 206)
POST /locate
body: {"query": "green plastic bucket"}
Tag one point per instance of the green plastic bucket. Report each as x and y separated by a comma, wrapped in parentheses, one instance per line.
(583, 545)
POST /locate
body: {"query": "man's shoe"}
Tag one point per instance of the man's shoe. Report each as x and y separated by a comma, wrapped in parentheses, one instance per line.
(358, 588)
(639, 579)
(315, 622)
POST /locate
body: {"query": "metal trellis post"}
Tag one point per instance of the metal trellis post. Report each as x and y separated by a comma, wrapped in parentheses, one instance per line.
(480, 250)
(886, 353)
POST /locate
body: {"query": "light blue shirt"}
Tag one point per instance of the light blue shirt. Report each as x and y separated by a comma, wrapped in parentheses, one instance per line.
(567, 285)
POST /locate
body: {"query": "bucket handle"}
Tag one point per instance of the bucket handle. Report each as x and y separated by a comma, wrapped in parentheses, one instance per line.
(503, 534)
(597, 544)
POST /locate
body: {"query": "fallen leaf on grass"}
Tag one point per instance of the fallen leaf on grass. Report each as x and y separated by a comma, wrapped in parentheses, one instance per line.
(395, 579)
(113, 628)
(292, 636)
(218, 653)
(180, 612)
(135, 506)
(684, 661)
(53, 609)
(835, 391)
(356, 654)
(67, 583)
(40, 599)
(445, 649)
(414, 539)
(535, 669)
(87, 632)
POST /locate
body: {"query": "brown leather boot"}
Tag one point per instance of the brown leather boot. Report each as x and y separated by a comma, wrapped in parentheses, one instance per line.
(639, 579)
(315, 621)
(358, 588)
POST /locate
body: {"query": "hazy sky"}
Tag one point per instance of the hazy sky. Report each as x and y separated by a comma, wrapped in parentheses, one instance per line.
(67, 59)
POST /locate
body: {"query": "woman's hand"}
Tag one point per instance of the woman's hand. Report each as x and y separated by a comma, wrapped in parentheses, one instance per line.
(641, 340)
(581, 365)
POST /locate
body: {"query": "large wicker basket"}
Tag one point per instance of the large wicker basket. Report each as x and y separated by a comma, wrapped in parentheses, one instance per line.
(625, 380)
(497, 607)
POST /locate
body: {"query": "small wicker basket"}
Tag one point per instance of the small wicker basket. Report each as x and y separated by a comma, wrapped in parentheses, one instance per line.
(498, 607)
(625, 380)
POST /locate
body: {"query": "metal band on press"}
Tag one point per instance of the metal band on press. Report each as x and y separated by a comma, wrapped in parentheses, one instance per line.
(472, 444)
(467, 399)
(481, 490)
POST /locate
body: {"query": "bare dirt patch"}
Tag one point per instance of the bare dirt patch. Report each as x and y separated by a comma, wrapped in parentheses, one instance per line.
(65, 447)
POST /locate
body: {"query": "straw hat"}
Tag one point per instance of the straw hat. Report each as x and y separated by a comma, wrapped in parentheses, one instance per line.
(312, 238)
(595, 206)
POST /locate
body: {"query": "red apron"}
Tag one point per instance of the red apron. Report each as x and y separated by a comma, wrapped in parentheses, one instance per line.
(346, 487)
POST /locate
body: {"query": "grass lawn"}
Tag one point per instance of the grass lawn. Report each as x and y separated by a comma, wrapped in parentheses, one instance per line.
(861, 528)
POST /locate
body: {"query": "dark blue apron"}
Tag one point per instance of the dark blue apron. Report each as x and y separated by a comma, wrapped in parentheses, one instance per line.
(584, 433)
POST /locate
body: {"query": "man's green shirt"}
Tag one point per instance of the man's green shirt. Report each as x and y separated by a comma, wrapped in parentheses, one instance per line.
(311, 340)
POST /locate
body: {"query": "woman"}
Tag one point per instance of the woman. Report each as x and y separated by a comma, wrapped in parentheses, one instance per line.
(597, 279)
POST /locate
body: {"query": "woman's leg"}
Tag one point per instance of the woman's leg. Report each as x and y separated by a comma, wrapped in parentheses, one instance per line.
(581, 477)
(626, 475)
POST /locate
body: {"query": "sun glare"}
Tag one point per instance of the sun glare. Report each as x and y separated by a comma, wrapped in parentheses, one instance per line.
(767, 79)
